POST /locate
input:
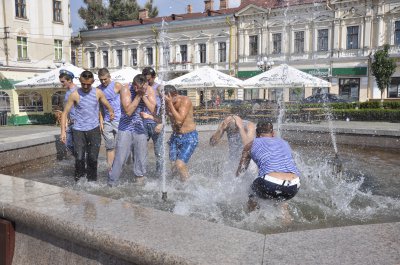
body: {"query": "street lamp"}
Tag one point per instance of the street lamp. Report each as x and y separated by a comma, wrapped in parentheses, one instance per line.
(264, 64)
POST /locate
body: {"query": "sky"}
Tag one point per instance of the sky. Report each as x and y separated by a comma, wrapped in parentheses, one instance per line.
(165, 8)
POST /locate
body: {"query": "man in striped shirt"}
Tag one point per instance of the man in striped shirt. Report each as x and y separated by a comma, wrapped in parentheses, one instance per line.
(278, 176)
(86, 128)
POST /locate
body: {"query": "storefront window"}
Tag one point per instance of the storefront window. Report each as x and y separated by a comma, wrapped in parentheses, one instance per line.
(349, 88)
(394, 88)
(31, 102)
(57, 100)
(4, 101)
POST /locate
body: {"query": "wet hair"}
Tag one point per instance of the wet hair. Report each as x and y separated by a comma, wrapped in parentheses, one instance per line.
(87, 75)
(103, 72)
(139, 80)
(149, 71)
(170, 89)
(264, 127)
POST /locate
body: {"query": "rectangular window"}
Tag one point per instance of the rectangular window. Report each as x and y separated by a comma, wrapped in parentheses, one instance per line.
(73, 57)
(183, 50)
(105, 59)
(92, 60)
(277, 43)
(22, 47)
(322, 40)
(397, 33)
(253, 45)
(299, 42)
(203, 54)
(58, 50)
(149, 56)
(20, 8)
(352, 37)
(394, 88)
(57, 14)
(222, 52)
(349, 88)
(119, 58)
(134, 57)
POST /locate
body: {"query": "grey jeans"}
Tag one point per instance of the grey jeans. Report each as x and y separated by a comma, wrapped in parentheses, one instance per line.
(128, 142)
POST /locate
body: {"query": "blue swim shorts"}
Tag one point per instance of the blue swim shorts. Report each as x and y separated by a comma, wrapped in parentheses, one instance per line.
(182, 146)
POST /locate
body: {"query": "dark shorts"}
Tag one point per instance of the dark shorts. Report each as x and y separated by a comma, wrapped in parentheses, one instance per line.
(182, 146)
(274, 190)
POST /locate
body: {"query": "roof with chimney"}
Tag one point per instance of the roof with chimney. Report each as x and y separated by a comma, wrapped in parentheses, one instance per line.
(209, 13)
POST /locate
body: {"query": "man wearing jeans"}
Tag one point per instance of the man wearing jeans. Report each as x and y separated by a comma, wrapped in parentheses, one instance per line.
(153, 128)
(86, 129)
(108, 127)
(66, 79)
(132, 134)
(278, 176)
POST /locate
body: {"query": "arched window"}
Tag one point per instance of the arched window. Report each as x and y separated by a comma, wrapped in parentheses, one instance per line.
(4, 101)
(57, 100)
(30, 102)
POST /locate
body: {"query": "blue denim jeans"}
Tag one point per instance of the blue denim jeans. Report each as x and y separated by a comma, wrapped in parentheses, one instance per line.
(158, 145)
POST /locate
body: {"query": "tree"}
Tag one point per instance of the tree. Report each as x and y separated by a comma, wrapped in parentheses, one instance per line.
(95, 14)
(383, 68)
(153, 11)
(122, 10)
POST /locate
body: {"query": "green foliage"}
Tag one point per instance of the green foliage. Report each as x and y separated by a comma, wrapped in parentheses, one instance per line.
(97, 14)
(392, 115)
(383, 68)
(121, 10)
(153, 11)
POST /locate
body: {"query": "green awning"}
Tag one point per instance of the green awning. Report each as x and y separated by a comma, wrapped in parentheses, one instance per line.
(350, 71)
(248, 74)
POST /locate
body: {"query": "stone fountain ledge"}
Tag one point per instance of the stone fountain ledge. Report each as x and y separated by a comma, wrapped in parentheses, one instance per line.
(65, 226)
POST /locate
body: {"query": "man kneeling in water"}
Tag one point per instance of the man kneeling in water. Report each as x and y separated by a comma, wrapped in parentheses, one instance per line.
(278, 176)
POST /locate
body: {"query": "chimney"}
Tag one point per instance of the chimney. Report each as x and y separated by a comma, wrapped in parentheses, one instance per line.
(143, 13)
(189, 9)
(208, 5)
(223, 4)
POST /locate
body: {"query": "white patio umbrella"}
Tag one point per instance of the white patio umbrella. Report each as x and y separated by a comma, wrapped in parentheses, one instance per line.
(50, 79)
(205, 77)
(284, 76)
(124, 75)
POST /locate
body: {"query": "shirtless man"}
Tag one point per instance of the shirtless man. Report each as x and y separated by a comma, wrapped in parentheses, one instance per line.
(239, 132)
(184, 138)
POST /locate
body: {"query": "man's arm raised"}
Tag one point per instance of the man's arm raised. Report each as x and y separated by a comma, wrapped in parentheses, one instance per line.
(180, 114)
(245, 159)
(150, 99)
(128, 105)
(74, 97)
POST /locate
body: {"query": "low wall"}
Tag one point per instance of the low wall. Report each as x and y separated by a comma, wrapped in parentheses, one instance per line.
(61, 226)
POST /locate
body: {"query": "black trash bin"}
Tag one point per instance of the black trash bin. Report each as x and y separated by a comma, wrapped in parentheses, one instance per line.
(3, 118)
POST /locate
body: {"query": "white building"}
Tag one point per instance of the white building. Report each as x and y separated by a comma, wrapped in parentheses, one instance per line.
(334, 40)
(35, 37)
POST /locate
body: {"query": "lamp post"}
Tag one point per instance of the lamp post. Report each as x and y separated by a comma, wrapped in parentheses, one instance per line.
(264, 64)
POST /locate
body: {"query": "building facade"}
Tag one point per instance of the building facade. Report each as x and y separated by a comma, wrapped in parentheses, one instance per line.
(334, 40)
(35, 37)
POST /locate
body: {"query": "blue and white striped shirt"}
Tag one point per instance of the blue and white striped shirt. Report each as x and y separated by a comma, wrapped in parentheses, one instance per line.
(86, 111)
(114, 100)
(273, 154)
(133, 123)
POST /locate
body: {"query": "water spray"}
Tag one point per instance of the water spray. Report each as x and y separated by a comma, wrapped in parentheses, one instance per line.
(337, 165)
